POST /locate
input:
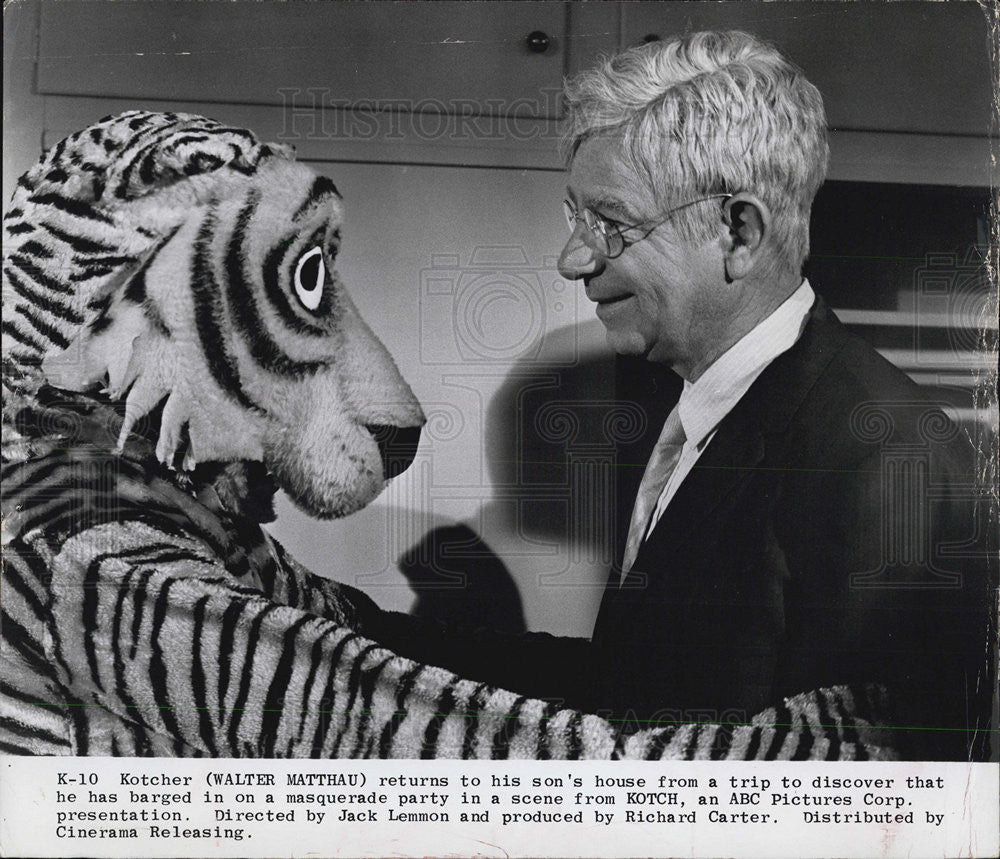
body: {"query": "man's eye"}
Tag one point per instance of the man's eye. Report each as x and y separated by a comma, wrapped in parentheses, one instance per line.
(608, 224)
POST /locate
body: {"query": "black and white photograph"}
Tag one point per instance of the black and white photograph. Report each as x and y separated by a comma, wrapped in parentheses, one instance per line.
(500, 381)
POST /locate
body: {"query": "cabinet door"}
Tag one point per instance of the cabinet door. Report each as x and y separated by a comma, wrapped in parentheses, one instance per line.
(470, 58)
(921, 67)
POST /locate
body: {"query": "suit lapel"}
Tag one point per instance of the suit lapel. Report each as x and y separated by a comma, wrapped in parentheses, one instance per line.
(726, 466)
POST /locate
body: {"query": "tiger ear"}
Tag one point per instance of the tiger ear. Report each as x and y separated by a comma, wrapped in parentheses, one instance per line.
(118, 347)
(183, 155)
(106, 347)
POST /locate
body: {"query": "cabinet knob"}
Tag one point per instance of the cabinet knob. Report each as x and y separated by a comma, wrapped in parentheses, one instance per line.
(537, 42)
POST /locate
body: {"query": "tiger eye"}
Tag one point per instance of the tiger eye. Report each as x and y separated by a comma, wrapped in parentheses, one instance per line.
(310, 274)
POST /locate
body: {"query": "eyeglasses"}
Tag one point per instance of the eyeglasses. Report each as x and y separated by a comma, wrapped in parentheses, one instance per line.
(607, 237)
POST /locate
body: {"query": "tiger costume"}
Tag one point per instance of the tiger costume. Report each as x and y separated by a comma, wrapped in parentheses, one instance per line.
(176, 345)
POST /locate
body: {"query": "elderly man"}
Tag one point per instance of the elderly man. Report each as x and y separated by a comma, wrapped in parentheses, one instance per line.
(801, 523)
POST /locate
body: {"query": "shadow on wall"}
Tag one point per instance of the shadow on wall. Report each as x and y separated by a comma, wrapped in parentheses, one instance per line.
(552, 440)
(458, 579)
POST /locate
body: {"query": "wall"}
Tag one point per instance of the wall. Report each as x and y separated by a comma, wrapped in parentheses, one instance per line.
(454, 222)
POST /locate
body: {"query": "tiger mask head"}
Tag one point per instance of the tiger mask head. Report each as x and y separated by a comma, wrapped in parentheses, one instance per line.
(192, 268)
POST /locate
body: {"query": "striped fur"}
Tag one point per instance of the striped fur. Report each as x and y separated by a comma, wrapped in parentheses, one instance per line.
(68, 234)
(134, 624)
(144, 609)
(174, 262)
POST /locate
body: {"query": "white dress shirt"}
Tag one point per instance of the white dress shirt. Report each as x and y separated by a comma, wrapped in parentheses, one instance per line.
(705, 402)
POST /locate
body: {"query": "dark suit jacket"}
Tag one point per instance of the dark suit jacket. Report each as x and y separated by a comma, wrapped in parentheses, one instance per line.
(827, 535)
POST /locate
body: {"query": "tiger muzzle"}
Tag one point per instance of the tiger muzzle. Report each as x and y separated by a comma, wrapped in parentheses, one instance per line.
(397, 446)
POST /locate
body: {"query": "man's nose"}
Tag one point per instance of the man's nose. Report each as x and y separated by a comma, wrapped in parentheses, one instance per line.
(578, 258)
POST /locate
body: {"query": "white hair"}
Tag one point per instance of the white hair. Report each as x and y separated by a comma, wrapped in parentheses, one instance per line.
(709, 113)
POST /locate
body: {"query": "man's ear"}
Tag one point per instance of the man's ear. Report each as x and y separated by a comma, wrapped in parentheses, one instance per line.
(749, 221)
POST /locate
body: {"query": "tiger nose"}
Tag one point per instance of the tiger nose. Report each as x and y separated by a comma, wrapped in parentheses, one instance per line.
(397, 446)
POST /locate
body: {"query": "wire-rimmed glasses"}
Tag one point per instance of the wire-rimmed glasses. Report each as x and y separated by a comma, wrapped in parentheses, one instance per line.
(607, 237)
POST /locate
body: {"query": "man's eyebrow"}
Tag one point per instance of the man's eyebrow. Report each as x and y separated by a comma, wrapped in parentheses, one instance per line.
(610, 204)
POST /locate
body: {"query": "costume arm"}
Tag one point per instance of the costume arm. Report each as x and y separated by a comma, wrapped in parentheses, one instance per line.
(531, 663)
(834, 723)
(536, 664)
(163, 638)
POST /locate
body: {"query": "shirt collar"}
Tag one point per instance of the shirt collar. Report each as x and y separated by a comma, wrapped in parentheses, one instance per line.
(705, 402)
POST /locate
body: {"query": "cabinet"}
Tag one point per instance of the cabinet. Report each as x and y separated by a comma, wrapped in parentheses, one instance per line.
(906, 85)
(907, 66)
(445, 56)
